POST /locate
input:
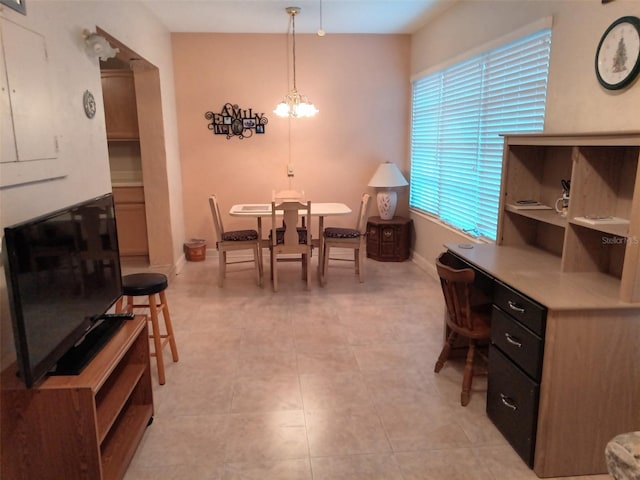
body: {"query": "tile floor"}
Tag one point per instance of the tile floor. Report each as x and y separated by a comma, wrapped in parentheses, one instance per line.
(332, 383)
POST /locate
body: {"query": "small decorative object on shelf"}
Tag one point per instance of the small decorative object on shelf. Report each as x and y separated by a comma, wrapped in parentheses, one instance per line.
(233, 121)
(618, 54)
(529, 205)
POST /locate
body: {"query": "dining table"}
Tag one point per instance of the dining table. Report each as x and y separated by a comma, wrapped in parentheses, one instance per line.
(318, 209)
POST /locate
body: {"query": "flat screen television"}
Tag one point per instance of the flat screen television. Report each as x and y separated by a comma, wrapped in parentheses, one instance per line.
(63, 274)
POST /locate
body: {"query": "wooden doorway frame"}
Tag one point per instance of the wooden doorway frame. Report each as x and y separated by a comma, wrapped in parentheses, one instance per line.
(152, 151)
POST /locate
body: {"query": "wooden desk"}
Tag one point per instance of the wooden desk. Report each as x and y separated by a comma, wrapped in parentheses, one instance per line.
(589, 385)
(319, 209)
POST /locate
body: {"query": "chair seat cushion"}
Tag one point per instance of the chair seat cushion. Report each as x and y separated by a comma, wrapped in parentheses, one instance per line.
(240, 235)
(335, 232)
(302, 235)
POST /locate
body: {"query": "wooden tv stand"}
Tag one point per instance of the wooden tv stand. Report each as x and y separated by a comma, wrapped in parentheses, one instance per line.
(83, 426)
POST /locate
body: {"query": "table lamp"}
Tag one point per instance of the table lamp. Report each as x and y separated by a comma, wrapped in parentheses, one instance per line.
(387, 176)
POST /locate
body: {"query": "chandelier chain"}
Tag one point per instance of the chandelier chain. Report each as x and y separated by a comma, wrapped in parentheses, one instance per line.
(293, 29)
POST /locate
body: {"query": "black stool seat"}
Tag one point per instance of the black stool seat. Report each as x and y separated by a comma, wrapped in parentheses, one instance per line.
(140, 284)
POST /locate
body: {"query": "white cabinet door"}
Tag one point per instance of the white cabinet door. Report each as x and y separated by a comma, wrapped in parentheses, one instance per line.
(8, 151)
(29, 147)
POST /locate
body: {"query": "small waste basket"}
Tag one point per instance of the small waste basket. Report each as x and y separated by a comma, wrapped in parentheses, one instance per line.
(195, 250)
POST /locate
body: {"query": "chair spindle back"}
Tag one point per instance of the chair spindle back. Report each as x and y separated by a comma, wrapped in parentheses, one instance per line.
(456, 289)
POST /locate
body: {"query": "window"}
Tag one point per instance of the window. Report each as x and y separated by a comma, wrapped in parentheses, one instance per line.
(458, 114)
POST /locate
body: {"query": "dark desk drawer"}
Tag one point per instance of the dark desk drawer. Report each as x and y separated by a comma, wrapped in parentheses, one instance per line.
(520, 344)
(512, 403)
(527, 311)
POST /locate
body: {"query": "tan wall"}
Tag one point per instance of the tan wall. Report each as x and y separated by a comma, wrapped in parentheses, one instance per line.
(358, 82)
(575, 101)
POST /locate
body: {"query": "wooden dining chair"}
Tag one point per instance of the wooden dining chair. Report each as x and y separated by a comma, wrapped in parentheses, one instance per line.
(463, 318)
(352, 238)
(233, 240)
(290, 238)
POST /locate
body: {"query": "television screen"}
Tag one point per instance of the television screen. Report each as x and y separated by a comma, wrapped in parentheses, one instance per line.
(63, 273)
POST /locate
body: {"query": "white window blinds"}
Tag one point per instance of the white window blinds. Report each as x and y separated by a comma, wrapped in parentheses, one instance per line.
(458, 114)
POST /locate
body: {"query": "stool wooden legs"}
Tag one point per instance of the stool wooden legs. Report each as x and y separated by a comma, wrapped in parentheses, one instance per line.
(160, 340)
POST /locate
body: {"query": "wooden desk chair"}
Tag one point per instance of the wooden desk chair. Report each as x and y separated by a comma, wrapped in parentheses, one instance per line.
(290, 239)
(353, 238)
(463, 318)
(227, 241)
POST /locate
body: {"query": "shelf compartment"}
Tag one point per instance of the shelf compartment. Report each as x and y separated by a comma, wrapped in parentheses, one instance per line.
(546, 216)
(591, 250)
(121, 444)
(536, 228)
(606, 177)
(534, 172)
(110, 400)
(618, 228)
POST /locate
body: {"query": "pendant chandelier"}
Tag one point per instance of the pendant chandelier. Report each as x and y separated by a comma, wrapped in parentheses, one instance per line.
(294, 104)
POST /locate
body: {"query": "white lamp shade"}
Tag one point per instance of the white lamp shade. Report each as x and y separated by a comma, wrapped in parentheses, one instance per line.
(388, 175)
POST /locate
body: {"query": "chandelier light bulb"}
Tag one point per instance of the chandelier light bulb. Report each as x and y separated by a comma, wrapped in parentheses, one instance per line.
(321, 32)
(295, 105)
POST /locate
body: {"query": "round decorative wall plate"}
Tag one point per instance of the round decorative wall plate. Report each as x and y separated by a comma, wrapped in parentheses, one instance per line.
(89, 104)
(618, 54)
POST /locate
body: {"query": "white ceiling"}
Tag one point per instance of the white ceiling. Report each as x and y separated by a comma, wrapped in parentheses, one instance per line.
(269, 16)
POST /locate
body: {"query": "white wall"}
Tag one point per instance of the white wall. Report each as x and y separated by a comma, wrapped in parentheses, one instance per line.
(576, 102)
(83, 146)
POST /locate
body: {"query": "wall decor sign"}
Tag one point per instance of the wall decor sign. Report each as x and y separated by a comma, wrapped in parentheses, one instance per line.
(234, 121)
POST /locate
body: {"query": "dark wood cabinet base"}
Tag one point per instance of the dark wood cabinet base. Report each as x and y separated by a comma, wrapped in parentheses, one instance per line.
(389, 240)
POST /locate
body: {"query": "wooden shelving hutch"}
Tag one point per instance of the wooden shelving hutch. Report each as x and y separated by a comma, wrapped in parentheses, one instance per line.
(86, 426)
(604, 170)
(569, 288)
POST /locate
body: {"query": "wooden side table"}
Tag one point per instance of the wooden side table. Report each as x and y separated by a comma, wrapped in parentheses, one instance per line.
(389, 240)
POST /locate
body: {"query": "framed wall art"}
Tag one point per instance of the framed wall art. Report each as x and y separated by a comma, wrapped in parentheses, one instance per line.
(233, 121)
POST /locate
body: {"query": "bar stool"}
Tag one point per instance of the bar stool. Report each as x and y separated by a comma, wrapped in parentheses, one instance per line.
(150, 285)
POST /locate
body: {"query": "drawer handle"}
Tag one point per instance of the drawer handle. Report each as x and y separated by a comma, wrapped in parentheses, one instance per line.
(515, 307)
(508, 402)
(513, 340)
(387, 233)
